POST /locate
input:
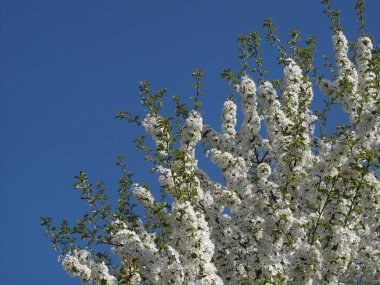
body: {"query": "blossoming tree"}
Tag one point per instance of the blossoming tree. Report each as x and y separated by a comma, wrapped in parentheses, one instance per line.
(303, 206)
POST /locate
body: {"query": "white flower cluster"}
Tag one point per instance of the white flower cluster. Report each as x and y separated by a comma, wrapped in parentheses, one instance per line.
(229, 118)
(80, 263)
(251, 124)
(153, 123)
(144, 197)
(354, 86)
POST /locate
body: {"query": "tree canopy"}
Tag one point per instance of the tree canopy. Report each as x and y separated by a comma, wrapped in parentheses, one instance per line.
(296, 206)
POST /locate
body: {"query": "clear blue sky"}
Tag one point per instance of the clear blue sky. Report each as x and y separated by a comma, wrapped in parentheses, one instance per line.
(68, 66)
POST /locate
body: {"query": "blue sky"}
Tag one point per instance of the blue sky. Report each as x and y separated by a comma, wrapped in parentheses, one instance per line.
(67, 67)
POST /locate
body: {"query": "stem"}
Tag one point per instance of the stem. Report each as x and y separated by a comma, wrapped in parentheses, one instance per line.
(312, 239)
